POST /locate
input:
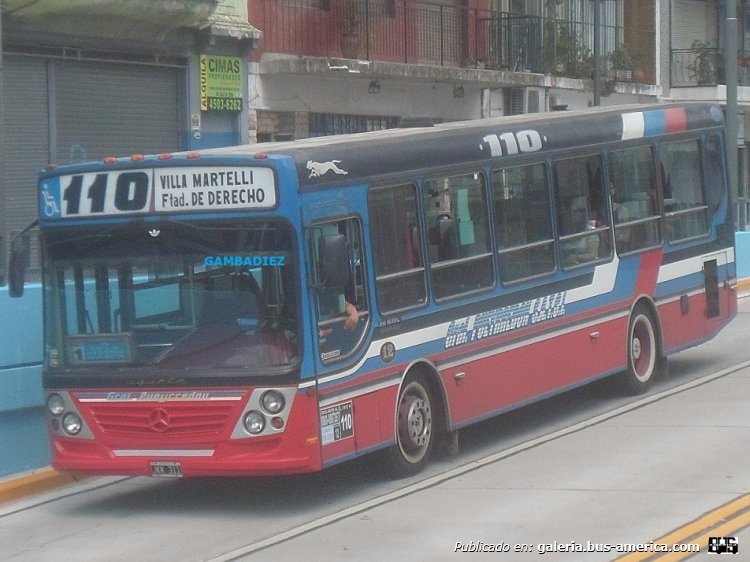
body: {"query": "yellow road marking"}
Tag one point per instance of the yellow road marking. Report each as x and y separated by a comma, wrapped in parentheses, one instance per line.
(722, 521)
(727, 529)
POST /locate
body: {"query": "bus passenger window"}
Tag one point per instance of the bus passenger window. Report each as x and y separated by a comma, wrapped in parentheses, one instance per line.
(714, 157)
(635, 211)
(396, 246)
(523, 222)
(684, 196)
(342, 310)
(458, 235)
(582, 217)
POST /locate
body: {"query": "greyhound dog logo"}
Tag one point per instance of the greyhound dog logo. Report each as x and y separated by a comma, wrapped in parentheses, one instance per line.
(318, 169)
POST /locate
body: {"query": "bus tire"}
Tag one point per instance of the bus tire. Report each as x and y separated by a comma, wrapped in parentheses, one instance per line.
(644, 354)
(415, 428)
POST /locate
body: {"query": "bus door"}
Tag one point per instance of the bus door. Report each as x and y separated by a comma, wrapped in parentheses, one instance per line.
(339, 293)
(340, 309)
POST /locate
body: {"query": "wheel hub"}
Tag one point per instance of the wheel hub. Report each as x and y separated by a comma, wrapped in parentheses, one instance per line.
(416, 422)
(637, 348)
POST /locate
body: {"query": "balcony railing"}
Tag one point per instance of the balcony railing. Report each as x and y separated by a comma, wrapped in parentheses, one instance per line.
(705, 67)
(424, 33)
(697, 67)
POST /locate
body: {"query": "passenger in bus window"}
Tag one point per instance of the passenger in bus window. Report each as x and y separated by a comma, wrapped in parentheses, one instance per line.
(620, 212)
(350, 307)
(334, 340)
(337, 302)
(334, 303)
(584, 247)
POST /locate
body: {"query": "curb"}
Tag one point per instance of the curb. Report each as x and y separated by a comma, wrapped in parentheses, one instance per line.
(37, 481)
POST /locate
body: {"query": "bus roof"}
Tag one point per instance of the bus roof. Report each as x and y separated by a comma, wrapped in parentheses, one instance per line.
(355, 157)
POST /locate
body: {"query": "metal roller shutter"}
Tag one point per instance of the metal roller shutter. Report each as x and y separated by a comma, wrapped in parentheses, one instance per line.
(26, 148)
(104, 109)
(692, 19)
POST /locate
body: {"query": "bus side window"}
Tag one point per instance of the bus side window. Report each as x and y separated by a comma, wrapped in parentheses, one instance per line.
(396, 246)
(523, 222)
(714, 157)
(457, 216)
(685, 200)
(342, 311)
(636, 214)
(583, 221)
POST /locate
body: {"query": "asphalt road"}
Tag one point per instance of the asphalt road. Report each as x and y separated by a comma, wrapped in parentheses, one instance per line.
(590, 466)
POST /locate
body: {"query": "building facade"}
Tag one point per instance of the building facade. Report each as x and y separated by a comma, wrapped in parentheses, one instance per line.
(329, 66)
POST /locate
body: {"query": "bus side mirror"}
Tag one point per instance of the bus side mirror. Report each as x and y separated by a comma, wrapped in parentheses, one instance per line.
(19, 257)
(334, 260)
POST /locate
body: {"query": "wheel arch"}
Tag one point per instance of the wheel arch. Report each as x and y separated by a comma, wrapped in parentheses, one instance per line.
(648, 303)
(428, 372)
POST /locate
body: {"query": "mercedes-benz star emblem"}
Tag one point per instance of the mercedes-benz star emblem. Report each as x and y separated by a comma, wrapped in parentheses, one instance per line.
(159, 420)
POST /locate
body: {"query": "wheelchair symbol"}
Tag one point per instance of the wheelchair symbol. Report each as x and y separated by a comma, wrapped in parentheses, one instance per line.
(50, 205)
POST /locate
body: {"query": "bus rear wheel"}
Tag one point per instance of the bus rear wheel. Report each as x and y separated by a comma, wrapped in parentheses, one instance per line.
(415, 425)
(644, 356)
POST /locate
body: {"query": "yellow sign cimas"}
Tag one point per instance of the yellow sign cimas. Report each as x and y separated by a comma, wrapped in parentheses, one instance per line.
(220, 83)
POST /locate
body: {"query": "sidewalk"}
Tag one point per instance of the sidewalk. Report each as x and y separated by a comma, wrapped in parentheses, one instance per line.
(17, 486)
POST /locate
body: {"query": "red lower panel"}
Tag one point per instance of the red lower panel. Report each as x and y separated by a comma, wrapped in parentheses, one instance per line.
(685, 324)
(374, 418)
(294, 450)
(482, 386)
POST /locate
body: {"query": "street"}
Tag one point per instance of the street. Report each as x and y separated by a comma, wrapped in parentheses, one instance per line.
(590, 467)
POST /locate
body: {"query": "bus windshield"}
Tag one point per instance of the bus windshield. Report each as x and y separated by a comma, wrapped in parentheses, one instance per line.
(189, 297)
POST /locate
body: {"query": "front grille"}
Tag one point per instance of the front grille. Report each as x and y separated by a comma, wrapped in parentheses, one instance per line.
(161, 418)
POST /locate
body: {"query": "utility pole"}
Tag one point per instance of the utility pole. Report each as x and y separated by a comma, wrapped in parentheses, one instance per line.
(597, 50)
(730, 64)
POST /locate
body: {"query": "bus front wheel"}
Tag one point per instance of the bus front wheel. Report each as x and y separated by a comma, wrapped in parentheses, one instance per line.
(415, 429)
(644, 356)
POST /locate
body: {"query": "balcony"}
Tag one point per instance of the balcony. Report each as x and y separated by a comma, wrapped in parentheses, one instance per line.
(447, 36)
(704, 66)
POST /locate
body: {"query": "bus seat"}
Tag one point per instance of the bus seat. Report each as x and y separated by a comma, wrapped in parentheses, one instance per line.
(412, 246)
(446, 228)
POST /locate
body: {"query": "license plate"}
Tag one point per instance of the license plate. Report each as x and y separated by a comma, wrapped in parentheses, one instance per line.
(166, 469)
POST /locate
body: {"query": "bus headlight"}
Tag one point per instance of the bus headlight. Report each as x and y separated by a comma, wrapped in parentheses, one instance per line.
(273, 402)
(254, 422)
(55, 405)
(72, 424)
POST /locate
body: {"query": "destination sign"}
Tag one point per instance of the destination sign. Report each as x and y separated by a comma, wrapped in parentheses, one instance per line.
(179, 189)
(164, 190)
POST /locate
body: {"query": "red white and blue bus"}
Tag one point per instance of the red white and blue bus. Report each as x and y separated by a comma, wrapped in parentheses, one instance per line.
(278, 308)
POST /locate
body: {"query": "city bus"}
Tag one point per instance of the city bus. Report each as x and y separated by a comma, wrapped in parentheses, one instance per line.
(279, 308)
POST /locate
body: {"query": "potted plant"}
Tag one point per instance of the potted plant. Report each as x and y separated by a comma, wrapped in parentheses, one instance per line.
(623, 62)
(571, 57)
(349, 22)
(703, 66)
